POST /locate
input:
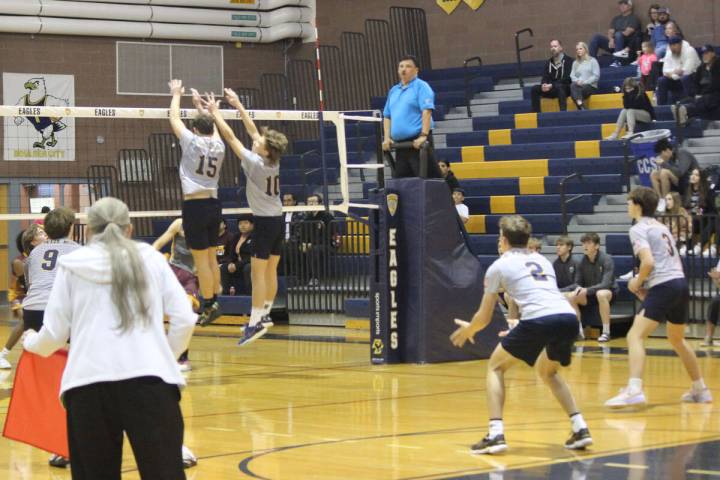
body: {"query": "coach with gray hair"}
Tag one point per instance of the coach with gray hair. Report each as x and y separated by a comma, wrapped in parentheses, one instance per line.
(408, 118)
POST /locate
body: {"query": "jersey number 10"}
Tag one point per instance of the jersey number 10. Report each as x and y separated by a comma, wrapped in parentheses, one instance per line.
(272, 184)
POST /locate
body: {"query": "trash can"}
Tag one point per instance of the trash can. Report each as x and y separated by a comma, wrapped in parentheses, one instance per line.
(643, 148)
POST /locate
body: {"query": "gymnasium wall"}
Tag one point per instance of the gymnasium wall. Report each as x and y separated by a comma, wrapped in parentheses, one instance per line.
(489, 30)
(92, 61)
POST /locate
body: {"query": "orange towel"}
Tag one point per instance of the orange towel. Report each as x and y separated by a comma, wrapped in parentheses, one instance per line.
(35, 415)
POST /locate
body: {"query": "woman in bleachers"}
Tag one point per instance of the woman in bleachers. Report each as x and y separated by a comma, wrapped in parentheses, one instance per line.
(585, 75)
(698, 202)
(677, 220)
(654, 21)
(636, 108)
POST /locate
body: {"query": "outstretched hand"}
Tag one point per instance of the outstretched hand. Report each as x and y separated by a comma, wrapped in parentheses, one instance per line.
(210, 103)
(196, 99)
(232, 98)
(462, 334)
(176, 87)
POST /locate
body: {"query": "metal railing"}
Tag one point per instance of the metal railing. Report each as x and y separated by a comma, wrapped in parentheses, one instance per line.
(519, 50)
(468, 77)
(564, 201)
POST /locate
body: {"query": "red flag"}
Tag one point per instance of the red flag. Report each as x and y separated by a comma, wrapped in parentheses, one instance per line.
(35, 415)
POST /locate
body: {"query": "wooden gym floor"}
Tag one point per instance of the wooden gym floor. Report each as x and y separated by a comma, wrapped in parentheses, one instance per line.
(304, 402)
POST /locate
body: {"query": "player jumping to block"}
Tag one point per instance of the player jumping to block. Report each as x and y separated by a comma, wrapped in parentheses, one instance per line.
(543, 337)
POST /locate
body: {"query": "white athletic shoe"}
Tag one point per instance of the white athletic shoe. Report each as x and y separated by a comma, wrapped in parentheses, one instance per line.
(703, 396)
(626, 398)
(628, 275)
(185, 366)
(605, 337)
(661, 205)
(621, 54)
(189, 459)
(4, 364)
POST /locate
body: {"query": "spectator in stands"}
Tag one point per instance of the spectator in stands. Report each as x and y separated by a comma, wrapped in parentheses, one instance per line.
(459, 197)
(236, 273)
(565, 265)
(654, 21)
(678, 72)
(408, 118)
(636, 108)
(677, 220)
(224, 243)
(622, 35)
(584, 76)
(447, 174)
(699, 202)
(534, 244)
(713, 310)
(646, 67)
(44, 210)
(555, 81)
(674, 168)
(317, 240)
(288, 200)
(660, 36)
(595, 280)
(707, 86)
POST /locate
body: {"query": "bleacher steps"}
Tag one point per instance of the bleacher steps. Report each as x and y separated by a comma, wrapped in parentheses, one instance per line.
(574, 227)
(708, 141)
(602, 219)
(491, 110)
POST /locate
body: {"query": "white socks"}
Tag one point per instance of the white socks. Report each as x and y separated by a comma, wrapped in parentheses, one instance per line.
(5, 352)
(606, 329)
(635, 385)
(578, 422)
(699, 385)
(496, 428)
(255, 316)
(267, 306)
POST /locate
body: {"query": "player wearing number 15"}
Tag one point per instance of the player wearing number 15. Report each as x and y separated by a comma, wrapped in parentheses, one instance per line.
(40, 266)
(202, 157)
(543, 337)
(262, 170)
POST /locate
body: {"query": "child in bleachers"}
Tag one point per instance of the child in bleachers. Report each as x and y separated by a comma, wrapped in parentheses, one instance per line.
(636, 108)
(534, 245)
(645, 67)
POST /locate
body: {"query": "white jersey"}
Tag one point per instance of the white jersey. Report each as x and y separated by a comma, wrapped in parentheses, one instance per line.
(263, 185)
(202, 159)
(655, 236)
(529, 278)
(40, 270)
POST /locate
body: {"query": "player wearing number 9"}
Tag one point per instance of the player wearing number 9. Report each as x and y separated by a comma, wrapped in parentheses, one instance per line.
(40, 267)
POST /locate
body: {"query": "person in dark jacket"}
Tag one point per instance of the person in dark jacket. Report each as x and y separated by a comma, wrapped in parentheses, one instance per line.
(674, 167)
(565, 265)
(235, 274)
(555, 79)
(448, 175)
(636, 108)
(706, 104)
(595, 282)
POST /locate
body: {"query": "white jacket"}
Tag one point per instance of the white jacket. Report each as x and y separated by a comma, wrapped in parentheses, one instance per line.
(688, 60)
(80, 305)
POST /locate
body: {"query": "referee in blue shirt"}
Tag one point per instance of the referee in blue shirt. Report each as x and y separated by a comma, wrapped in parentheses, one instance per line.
(408, 117)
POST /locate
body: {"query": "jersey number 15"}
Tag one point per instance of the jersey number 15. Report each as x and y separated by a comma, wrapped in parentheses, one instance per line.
(211, 169)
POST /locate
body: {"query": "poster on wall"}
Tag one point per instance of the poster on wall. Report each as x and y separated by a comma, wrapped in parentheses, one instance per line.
(29, 137)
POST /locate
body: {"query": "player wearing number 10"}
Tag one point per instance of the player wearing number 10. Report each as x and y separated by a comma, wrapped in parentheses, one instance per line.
(542, 338)
(262, 170)
(202, 157)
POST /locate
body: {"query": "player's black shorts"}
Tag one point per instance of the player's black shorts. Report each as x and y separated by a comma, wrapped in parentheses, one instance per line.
(267, 236)
(668, 301)
(201, 222)
(555, 333)
(33, 319)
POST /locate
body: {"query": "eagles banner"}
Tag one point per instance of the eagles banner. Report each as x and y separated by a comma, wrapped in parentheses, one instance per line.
(28, 136)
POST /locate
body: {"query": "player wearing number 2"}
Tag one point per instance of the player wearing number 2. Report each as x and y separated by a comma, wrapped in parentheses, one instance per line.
(262, 169)
(543, 337)
(202, 157)
(663, 289)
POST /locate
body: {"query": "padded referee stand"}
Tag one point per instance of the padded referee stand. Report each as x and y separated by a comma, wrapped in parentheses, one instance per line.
(435, 278)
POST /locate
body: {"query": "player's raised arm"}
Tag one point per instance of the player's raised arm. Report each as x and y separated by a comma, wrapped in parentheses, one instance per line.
(169, 234)
(177, 91)
(200, 107)
(234, 100)
(221, 125)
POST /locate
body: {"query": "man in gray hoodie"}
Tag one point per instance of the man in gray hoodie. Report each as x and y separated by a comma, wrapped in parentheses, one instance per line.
(675, 167)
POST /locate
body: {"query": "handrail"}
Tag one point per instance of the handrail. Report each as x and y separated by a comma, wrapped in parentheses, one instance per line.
(407, 145)
(563, 202)
(518, 49)
(628, 160)
(468, 77)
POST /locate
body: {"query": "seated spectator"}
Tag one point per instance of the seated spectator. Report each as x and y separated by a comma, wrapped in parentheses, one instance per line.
(316, 241)
(584, 75)
(447, 174)
(565, 265)
(677, 220)
(646, 67)
(706, 104)
(674, 168)
(595, 280)
(288, 200)
(660, 35)
(224, 243)
(713, 310)
(678, 72)
(636, 108)
(534, 244)
(699, 202)
(236, 274)
(623, 33)
(555, 81)
(654, 21)
(459, 197)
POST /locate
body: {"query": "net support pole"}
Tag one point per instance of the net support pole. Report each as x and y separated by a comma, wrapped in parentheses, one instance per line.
(321, 121)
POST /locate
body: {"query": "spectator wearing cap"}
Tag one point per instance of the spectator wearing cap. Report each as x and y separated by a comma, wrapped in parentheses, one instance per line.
(622, 36)
(679, 66)
(447, 174)
(463, 211)
(555, 81)
(706, 104)
(659, 37)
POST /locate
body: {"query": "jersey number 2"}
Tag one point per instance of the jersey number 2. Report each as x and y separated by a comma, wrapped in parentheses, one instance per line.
(536, 272)
(272, 185)
(211, 167)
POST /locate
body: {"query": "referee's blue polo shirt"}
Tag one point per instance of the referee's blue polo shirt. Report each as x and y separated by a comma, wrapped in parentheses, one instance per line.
(404, 107)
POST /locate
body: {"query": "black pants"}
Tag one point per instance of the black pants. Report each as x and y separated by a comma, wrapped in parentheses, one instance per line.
(714, 310)
(33, 320)
(407, 162)
(146, 408)
(705, 106)
(241, 278)
(559, 90)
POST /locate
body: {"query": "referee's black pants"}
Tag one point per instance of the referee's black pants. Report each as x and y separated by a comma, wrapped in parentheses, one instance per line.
(146, 408)
(407, 162)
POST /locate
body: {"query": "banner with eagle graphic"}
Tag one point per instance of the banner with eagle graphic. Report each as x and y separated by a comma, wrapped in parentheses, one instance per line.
(30, 137)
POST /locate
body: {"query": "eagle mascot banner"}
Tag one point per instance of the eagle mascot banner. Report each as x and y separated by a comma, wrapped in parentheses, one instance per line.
(30, 137)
